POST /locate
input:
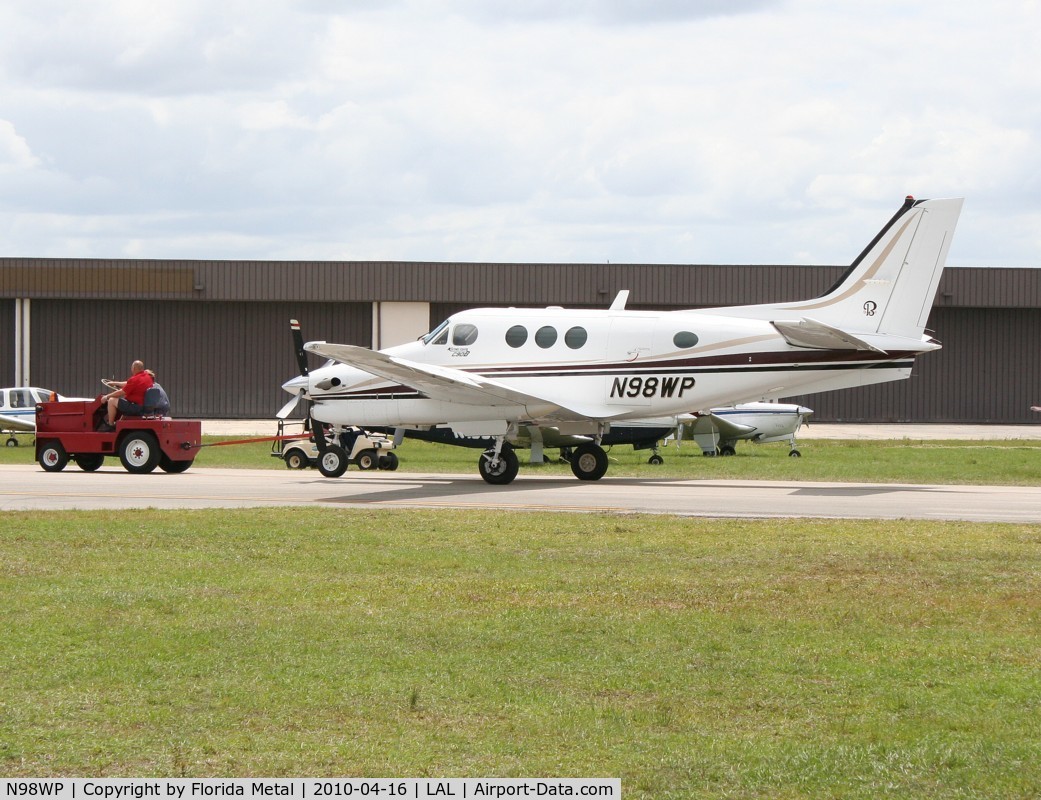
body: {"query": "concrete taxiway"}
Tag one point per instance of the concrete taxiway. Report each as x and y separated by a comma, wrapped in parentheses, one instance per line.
(29, 488)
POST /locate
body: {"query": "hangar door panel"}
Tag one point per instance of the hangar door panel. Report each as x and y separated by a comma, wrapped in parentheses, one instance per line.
(216, 360)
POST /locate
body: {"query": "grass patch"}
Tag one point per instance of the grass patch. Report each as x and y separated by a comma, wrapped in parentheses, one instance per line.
(688, 657)
(1003, 463)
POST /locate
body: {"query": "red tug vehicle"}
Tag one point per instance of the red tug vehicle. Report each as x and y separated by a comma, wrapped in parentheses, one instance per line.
(68, 430)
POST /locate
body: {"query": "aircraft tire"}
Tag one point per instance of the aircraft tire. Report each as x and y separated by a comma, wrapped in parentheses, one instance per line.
(727, 450)
(504, 472)
(589, 462)
(53, 457)
(389, 462)
(11, 442)
(656, 460)
(794, 454)
(367, 459)
(333, 462)
(89, 462)
(139, 452)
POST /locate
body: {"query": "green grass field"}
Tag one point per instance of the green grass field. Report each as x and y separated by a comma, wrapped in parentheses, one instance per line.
(690, 658)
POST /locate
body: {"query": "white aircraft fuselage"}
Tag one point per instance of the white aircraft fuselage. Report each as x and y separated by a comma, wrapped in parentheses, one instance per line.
(489, 371)
(627, 367)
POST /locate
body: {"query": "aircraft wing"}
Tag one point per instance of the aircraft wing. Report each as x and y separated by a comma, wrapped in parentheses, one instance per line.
(445, 383)
(714, 423)
(9, 423)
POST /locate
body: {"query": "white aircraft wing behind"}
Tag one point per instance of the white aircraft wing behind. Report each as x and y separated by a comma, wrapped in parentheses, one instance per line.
(9, 423)
(445, 383)
(713, 423)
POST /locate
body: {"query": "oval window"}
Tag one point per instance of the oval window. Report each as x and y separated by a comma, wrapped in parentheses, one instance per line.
(685, 339)
(464, 334)
(516, 336)
(546, 336)
(575, 337)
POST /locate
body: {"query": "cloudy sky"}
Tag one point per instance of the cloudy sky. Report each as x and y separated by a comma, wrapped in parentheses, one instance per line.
(653, 131)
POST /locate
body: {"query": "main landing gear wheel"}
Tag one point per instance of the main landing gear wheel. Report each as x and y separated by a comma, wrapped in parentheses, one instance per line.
(11, 442)
(333, 462)
(727, 450)
(656, 460)
(53, 457)
(140, 452)
(501, 472)
(589, 463)
(794, 454)
(389, 462)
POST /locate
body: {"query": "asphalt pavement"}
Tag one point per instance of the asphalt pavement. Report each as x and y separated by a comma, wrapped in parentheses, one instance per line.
(919, 432)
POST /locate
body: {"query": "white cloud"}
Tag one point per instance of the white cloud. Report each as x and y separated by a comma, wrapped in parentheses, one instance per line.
(573, 130)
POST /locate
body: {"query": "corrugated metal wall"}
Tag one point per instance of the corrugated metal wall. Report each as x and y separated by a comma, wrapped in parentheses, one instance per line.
(987, 372)
(7, 342)
(223, 360)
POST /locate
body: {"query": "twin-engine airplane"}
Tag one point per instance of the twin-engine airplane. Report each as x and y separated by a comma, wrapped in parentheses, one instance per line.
(574, 374)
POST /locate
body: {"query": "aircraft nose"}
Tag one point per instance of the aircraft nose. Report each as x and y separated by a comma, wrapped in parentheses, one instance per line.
(294, 385)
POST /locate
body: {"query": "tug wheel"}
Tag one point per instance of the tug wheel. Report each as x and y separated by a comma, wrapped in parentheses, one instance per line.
(139, 452)
(53, 457)
(90, 462)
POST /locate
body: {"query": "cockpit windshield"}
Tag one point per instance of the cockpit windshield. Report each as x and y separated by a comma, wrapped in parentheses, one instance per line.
(437, 336)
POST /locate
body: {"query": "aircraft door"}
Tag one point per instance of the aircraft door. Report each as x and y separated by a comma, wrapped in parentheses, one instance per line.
(629, 346)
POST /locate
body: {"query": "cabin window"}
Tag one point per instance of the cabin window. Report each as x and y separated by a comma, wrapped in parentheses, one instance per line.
(546, 336)
(685, 339)
(516, 336)
(464, 334)
(439, 335)
(575, 337)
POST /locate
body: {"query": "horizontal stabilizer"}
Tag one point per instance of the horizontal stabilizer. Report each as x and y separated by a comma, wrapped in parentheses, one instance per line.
(814, 334)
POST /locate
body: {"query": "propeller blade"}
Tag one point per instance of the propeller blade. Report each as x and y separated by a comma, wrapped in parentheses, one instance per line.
(289, 407)
(298, 343)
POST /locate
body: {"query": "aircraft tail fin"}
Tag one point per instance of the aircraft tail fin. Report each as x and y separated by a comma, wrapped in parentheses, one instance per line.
(888, 290)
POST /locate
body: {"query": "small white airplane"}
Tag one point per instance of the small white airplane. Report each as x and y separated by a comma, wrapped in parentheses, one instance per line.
(720, 429)
(573, 375)
(18, 410)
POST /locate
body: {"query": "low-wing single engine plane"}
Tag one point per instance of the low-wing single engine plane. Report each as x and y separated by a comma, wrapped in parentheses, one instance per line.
(573, 375)
(18, 409)
(721, 428)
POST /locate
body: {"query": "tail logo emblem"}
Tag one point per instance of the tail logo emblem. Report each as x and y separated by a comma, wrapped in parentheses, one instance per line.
(870, 307)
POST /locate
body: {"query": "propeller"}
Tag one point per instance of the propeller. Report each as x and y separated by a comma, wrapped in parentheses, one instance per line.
(298, 343)
(301, 360)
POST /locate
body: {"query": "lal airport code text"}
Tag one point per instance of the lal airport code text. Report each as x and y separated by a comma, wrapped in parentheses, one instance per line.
(305, 788)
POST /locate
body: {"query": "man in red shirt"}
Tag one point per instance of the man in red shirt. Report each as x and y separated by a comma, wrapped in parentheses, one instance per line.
(129, 395)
